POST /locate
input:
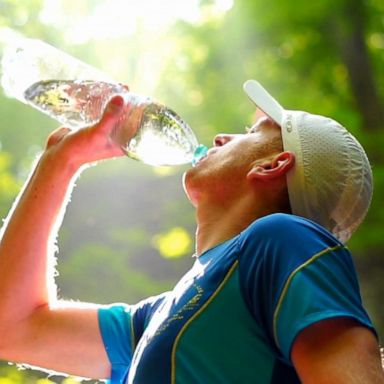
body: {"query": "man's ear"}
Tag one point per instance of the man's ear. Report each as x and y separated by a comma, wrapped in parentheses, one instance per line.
(274, 168)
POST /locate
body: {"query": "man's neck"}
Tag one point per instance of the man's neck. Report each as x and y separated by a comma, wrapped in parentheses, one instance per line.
(218, 223)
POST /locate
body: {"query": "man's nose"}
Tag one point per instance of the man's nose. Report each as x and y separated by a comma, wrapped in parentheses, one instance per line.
(222, 139)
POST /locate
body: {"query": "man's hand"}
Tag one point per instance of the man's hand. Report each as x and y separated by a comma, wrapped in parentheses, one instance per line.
(97, 142)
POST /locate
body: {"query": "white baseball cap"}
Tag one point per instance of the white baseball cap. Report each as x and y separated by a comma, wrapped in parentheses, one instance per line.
(331, 181)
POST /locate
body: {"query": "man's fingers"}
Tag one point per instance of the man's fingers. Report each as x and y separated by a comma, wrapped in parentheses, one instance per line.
(57, 135)
(126, 87)
(115, 105)
(113, 115)
(96, 142)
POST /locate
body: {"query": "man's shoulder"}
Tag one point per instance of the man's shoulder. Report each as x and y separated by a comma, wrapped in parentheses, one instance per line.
(282, 223)
(282, 233)
(277, 219)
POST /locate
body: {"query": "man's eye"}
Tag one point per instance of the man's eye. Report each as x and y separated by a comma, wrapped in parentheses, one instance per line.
(249, 129)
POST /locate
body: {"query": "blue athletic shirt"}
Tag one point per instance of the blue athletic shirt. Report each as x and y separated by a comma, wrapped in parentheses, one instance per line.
(234, 316)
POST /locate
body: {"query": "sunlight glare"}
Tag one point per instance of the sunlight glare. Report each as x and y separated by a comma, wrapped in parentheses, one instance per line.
(119, 18)
(153, 150)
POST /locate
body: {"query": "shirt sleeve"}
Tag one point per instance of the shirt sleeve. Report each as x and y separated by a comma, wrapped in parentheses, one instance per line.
(115, 322)
(121, 327)
(293, 274)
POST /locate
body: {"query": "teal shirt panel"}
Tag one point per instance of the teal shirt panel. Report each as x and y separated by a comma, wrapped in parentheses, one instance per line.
(115, 323)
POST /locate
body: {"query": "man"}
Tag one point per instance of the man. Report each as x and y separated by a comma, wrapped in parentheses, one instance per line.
(272, 297)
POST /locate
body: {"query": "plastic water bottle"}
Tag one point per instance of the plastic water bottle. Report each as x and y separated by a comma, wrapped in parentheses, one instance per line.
(75, 94)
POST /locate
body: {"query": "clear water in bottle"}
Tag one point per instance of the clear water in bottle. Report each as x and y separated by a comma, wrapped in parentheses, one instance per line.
(74, 103)
(162, 137)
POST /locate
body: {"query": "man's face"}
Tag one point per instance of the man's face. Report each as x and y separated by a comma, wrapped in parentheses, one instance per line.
(231, 157)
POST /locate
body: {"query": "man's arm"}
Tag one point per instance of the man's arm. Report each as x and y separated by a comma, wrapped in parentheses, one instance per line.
(337, 351)
(36, 328)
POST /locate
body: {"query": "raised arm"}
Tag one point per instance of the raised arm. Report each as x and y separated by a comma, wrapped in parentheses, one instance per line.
(35, 327)
(337, 351)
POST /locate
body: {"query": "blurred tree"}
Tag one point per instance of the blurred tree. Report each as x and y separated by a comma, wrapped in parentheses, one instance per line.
(9, 186)
(348, 33)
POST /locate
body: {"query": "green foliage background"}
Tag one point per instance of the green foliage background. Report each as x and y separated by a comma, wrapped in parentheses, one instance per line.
(325, 57)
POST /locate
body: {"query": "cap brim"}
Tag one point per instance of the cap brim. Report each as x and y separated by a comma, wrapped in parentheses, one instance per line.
(264, 101)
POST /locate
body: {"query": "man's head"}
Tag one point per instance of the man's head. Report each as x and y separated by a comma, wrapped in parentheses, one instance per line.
(331, 181)
(243, 174)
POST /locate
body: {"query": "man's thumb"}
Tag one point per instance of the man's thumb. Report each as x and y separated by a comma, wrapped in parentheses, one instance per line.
(115, 105)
